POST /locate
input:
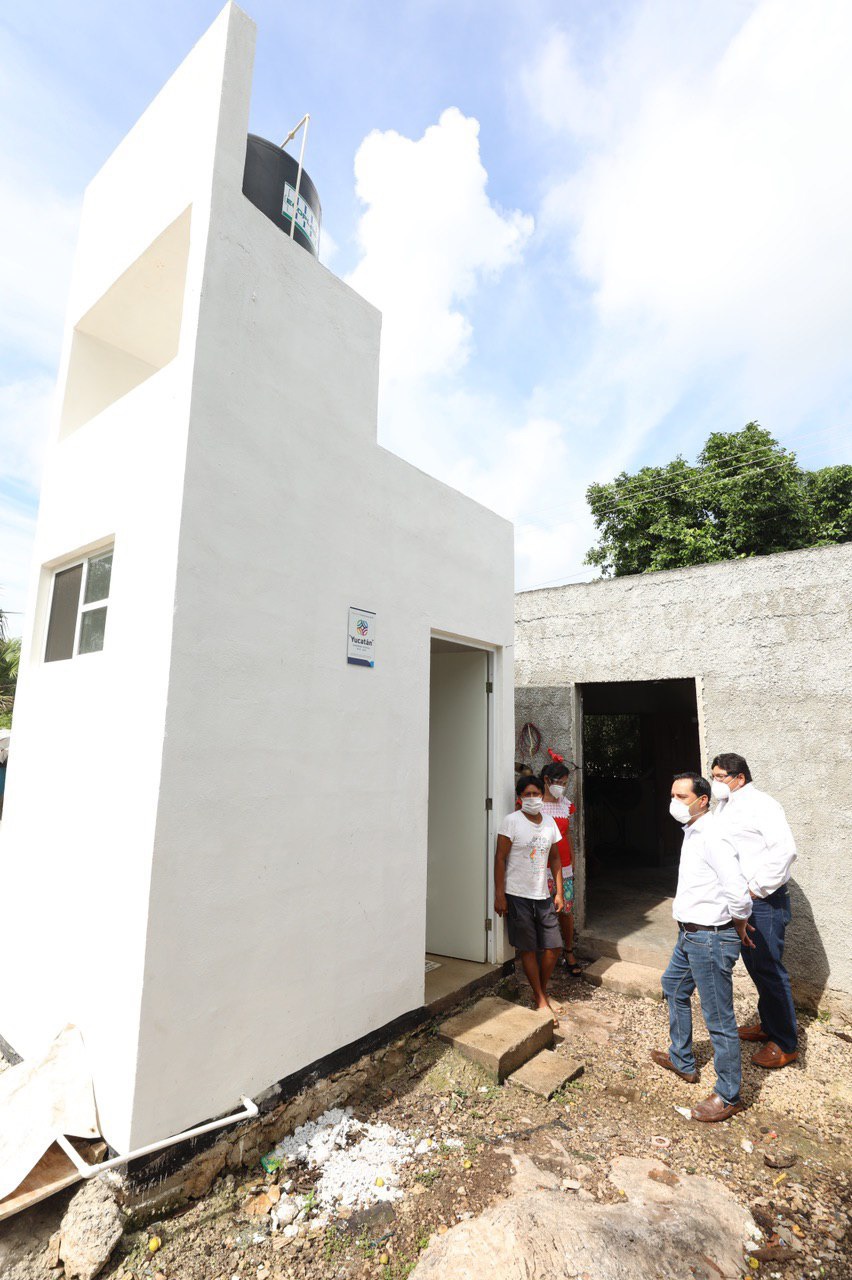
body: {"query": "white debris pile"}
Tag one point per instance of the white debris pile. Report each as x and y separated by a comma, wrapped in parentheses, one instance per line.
(312, 1143)
(359, 1163)
(368, 1171)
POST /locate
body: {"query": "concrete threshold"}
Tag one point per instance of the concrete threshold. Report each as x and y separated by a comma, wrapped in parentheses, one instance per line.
(624, 978)
(455, 981)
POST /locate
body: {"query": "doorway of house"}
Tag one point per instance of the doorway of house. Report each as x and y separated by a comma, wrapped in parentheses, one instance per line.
(457, 857)
(636, 736)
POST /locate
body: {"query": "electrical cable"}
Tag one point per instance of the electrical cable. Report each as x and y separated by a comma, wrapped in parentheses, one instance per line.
(736, 469)
(632, 506)
(731, 471)
(670, 484)
(635, 501)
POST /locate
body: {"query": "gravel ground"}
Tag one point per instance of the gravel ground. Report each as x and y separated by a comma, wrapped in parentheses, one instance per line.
(621, 1105)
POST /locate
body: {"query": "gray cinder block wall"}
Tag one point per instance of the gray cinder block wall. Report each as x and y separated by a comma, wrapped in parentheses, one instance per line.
(768, 641)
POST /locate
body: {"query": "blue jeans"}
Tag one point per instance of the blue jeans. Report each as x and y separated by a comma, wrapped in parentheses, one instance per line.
(770, 917)
(705, 960)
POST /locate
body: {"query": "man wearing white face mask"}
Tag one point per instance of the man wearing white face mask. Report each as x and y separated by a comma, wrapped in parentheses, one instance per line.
(755, 825)
(711, 907)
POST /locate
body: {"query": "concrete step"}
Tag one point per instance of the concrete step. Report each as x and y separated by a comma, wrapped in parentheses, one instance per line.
(546, 1073)
(625, 978)
(499, 1035)
(634, 950)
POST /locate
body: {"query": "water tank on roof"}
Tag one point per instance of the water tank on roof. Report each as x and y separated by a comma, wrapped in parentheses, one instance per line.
(269, 181)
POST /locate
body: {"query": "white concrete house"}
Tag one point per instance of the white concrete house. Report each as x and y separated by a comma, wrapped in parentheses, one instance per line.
(226, 849)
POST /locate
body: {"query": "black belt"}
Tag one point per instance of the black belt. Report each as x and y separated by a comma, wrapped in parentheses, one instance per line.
(689, 927)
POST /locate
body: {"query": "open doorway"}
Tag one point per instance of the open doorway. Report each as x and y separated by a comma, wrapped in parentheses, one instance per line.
(457, 858)
(636, 736)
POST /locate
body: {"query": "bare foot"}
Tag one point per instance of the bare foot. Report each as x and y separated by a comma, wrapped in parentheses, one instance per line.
(547, 1007)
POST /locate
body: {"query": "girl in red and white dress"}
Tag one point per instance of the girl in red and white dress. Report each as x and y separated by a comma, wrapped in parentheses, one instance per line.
(556, 777)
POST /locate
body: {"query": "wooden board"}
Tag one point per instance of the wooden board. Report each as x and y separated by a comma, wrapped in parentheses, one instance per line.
(53, 1173)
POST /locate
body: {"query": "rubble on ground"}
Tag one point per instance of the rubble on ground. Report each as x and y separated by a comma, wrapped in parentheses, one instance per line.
(89, 1231)
(465, 1138)
(666, 1227)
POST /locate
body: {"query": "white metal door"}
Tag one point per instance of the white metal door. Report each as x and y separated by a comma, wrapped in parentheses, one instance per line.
(458, 824)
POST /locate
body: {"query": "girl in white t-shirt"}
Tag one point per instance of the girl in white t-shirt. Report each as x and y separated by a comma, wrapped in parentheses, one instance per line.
(526, 848)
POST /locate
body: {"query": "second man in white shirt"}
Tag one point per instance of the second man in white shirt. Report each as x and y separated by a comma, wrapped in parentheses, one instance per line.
(754, 823)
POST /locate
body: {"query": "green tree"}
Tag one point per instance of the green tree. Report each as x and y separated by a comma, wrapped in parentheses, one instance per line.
(830, 494)
(745, 496)
(755, 494)
(10, 656)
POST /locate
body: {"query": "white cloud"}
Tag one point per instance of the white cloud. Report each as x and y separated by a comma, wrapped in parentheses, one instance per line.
(709, 203)
(328, 248)
(25, 408)
(429, 237)
(24, 417)
(38, 228)
(531, 479)
(17, 529)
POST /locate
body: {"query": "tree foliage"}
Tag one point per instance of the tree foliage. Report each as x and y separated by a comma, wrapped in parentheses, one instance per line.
(10, 656)
(745, 496)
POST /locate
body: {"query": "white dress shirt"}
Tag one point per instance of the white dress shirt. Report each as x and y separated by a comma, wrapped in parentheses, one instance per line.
(755, 825)
(711, 888)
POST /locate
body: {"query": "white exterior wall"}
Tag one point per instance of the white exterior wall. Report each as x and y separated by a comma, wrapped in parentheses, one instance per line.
(77, 831)
(276, 867)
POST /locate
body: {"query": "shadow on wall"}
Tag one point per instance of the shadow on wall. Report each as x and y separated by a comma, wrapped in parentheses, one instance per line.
(804, 953)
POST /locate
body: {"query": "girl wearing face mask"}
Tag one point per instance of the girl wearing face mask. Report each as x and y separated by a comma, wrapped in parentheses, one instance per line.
(526, 848)
(557, 806)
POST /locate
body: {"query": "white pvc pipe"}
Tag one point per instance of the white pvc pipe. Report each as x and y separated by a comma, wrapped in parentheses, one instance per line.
(89, 1170)
(305, 120)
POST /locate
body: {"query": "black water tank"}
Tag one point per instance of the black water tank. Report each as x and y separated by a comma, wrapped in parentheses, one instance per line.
(269, 181)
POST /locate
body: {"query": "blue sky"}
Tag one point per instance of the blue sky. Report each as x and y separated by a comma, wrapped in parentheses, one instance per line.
(597, 231)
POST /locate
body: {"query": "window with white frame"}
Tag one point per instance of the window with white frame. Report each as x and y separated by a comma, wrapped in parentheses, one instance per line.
(78, 607)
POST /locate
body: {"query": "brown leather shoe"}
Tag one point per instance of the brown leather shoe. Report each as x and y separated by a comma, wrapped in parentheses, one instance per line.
(663, 1060)
(771, 1056)
(754, 1032)
(714, 1109)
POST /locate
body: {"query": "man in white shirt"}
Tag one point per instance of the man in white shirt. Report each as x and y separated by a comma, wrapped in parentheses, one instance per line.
(755, 825)
(711, 907)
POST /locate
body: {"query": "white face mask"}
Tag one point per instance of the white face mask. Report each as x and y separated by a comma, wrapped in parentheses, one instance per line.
(556, 790)
(680, 811)
(720, 790)
(532, 804)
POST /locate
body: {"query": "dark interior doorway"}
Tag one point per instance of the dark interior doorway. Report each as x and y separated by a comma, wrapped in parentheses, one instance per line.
(636, 735)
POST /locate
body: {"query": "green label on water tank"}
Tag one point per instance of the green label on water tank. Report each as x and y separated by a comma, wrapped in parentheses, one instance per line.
(306, 221)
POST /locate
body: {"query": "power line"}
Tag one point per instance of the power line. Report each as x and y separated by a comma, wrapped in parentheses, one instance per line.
(671, 484)
(736, 466)
(633, 502)
(634, 506)
(564, 580)
(665, 488)
(740, 466)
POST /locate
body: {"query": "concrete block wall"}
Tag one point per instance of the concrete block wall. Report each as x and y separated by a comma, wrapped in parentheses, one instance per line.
(769, 642)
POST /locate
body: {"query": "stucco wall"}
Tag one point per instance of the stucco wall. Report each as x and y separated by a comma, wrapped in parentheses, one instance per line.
(216, 824)
(769, 642)
(287, 911)
(78, 827)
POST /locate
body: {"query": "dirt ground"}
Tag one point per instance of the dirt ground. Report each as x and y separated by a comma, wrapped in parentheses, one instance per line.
(622, 1105)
